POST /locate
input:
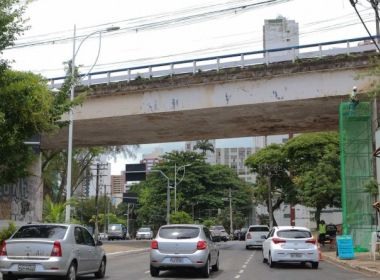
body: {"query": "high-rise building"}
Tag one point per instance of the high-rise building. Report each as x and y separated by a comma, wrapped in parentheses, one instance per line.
(117, 184)
(280, 33)
(210, 156)
(151, 159)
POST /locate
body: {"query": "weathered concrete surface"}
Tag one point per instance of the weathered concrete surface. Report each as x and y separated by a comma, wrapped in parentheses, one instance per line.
(22, 202)
(260, 100)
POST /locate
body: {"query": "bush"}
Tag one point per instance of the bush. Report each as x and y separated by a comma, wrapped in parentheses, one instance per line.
(7, 232)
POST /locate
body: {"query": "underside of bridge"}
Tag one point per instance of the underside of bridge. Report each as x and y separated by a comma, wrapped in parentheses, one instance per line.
(216, 122)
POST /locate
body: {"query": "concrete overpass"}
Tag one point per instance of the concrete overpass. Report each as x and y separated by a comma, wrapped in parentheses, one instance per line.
(267, 99)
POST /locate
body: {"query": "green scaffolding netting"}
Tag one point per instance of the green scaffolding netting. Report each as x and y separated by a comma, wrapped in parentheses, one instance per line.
(355, 130)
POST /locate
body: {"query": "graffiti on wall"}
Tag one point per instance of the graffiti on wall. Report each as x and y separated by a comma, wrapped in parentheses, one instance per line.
(16, 201)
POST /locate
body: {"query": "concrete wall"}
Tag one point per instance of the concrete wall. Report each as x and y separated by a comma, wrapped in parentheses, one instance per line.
(22, 202)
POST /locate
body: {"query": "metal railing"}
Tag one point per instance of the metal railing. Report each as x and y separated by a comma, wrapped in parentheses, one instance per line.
(216, 63)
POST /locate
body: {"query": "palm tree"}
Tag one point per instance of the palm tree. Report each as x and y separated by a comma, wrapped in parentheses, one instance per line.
(204, 146)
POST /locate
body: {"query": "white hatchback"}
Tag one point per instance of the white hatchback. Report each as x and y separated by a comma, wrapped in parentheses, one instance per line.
(255, 236)
(290, 244)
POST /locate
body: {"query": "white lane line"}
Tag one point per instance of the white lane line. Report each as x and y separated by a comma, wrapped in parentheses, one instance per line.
(241, 271)
(244, 266)
(146, 272)
(237, 276)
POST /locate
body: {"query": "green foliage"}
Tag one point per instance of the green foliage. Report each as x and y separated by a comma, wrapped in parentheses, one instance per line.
(53, 212)
(7, 232)
(181, 217)
(25, 111)
(210, 222)
(199, 192)
(11, 22)
(204, 146)
(315, 168)
(372, 187)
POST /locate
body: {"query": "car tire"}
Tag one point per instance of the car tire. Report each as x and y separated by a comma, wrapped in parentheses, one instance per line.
(205, 271)
(271, 263)
(215, 267)
(9, 277)
(154, 271)
(264, 259)
(314, 265)
(71, 272)
(247, 247)
(102, 269)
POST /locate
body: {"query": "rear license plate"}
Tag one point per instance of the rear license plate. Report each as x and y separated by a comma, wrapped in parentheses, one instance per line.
(176, 260)
(27, 267)
(295, 255)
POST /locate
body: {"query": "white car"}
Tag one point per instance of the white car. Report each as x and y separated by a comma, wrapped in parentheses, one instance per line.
(144, 233)
(290, 244)
(255, 236)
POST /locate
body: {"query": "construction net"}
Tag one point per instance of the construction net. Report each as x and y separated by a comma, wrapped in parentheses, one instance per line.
(355, 129)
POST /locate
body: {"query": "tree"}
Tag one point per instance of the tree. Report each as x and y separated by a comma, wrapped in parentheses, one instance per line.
(181, 217)
(204, 146)
(199, 194)
(315, 168)
(270, 163)
(28, 108)
(11, 24)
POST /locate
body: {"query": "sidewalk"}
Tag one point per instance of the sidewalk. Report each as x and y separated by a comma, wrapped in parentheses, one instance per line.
(362, 261)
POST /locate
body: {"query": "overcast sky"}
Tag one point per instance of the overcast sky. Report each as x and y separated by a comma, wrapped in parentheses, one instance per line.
(154, 31)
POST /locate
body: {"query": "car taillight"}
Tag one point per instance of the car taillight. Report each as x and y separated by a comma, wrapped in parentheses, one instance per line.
(3, 249)
(201, 245)
(249, 236)
(154, 244)
(312, 241)
(278, 240)
(57, 250)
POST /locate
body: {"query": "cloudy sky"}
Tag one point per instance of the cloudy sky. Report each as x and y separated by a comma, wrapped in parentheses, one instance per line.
(154, 31)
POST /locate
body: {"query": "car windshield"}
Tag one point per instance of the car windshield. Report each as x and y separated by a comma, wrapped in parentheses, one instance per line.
(41, 231)
(218, 228)
(115, 227)
(294, 233)
(179, 232)
(253, 229)
(144, 229)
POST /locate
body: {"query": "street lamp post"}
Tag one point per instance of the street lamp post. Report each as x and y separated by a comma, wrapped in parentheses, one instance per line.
(175, 182)
(72, 92)
(167, 195)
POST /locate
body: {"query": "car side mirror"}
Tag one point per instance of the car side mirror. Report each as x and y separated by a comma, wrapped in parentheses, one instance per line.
(99, 243)
(263, 237)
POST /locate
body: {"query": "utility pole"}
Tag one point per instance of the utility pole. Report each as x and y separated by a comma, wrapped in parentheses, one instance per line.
(375, 4)
(231, 224)
(270, 208)
(96, 231)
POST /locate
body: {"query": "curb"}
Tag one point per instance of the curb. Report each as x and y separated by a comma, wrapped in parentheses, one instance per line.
(352, 266)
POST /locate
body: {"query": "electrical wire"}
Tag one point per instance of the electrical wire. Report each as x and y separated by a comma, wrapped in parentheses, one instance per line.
(353, 3)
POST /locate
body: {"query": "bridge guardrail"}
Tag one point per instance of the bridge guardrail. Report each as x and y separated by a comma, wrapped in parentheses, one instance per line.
(222, 62)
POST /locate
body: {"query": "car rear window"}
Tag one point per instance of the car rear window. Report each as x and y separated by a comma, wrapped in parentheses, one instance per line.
(253, 229)
(115, 227)
(179, 232)
(41, 231)
(294, 233)
(144, 229)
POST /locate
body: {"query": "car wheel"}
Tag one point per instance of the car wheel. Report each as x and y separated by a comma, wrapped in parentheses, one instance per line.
(247, 247)
(154, 271)
(215, 267)
(264, 259)
(315, 265)
(9, 277)
(71, 272)
(102, 269)
(270, 261)
(206, 269)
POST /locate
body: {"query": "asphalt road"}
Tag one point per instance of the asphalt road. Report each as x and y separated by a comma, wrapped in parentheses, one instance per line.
(235, 263)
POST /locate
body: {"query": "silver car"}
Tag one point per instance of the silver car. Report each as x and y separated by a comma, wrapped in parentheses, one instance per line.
(144, 233)
(51, 250)
(184, 246)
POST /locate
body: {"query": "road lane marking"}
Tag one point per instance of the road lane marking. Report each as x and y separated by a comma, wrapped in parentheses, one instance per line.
(241, 271)
(244, 266)
(237, 276)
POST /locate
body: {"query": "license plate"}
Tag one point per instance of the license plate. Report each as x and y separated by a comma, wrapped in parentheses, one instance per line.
(27, 267)
(295, 255)
(176, 260)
